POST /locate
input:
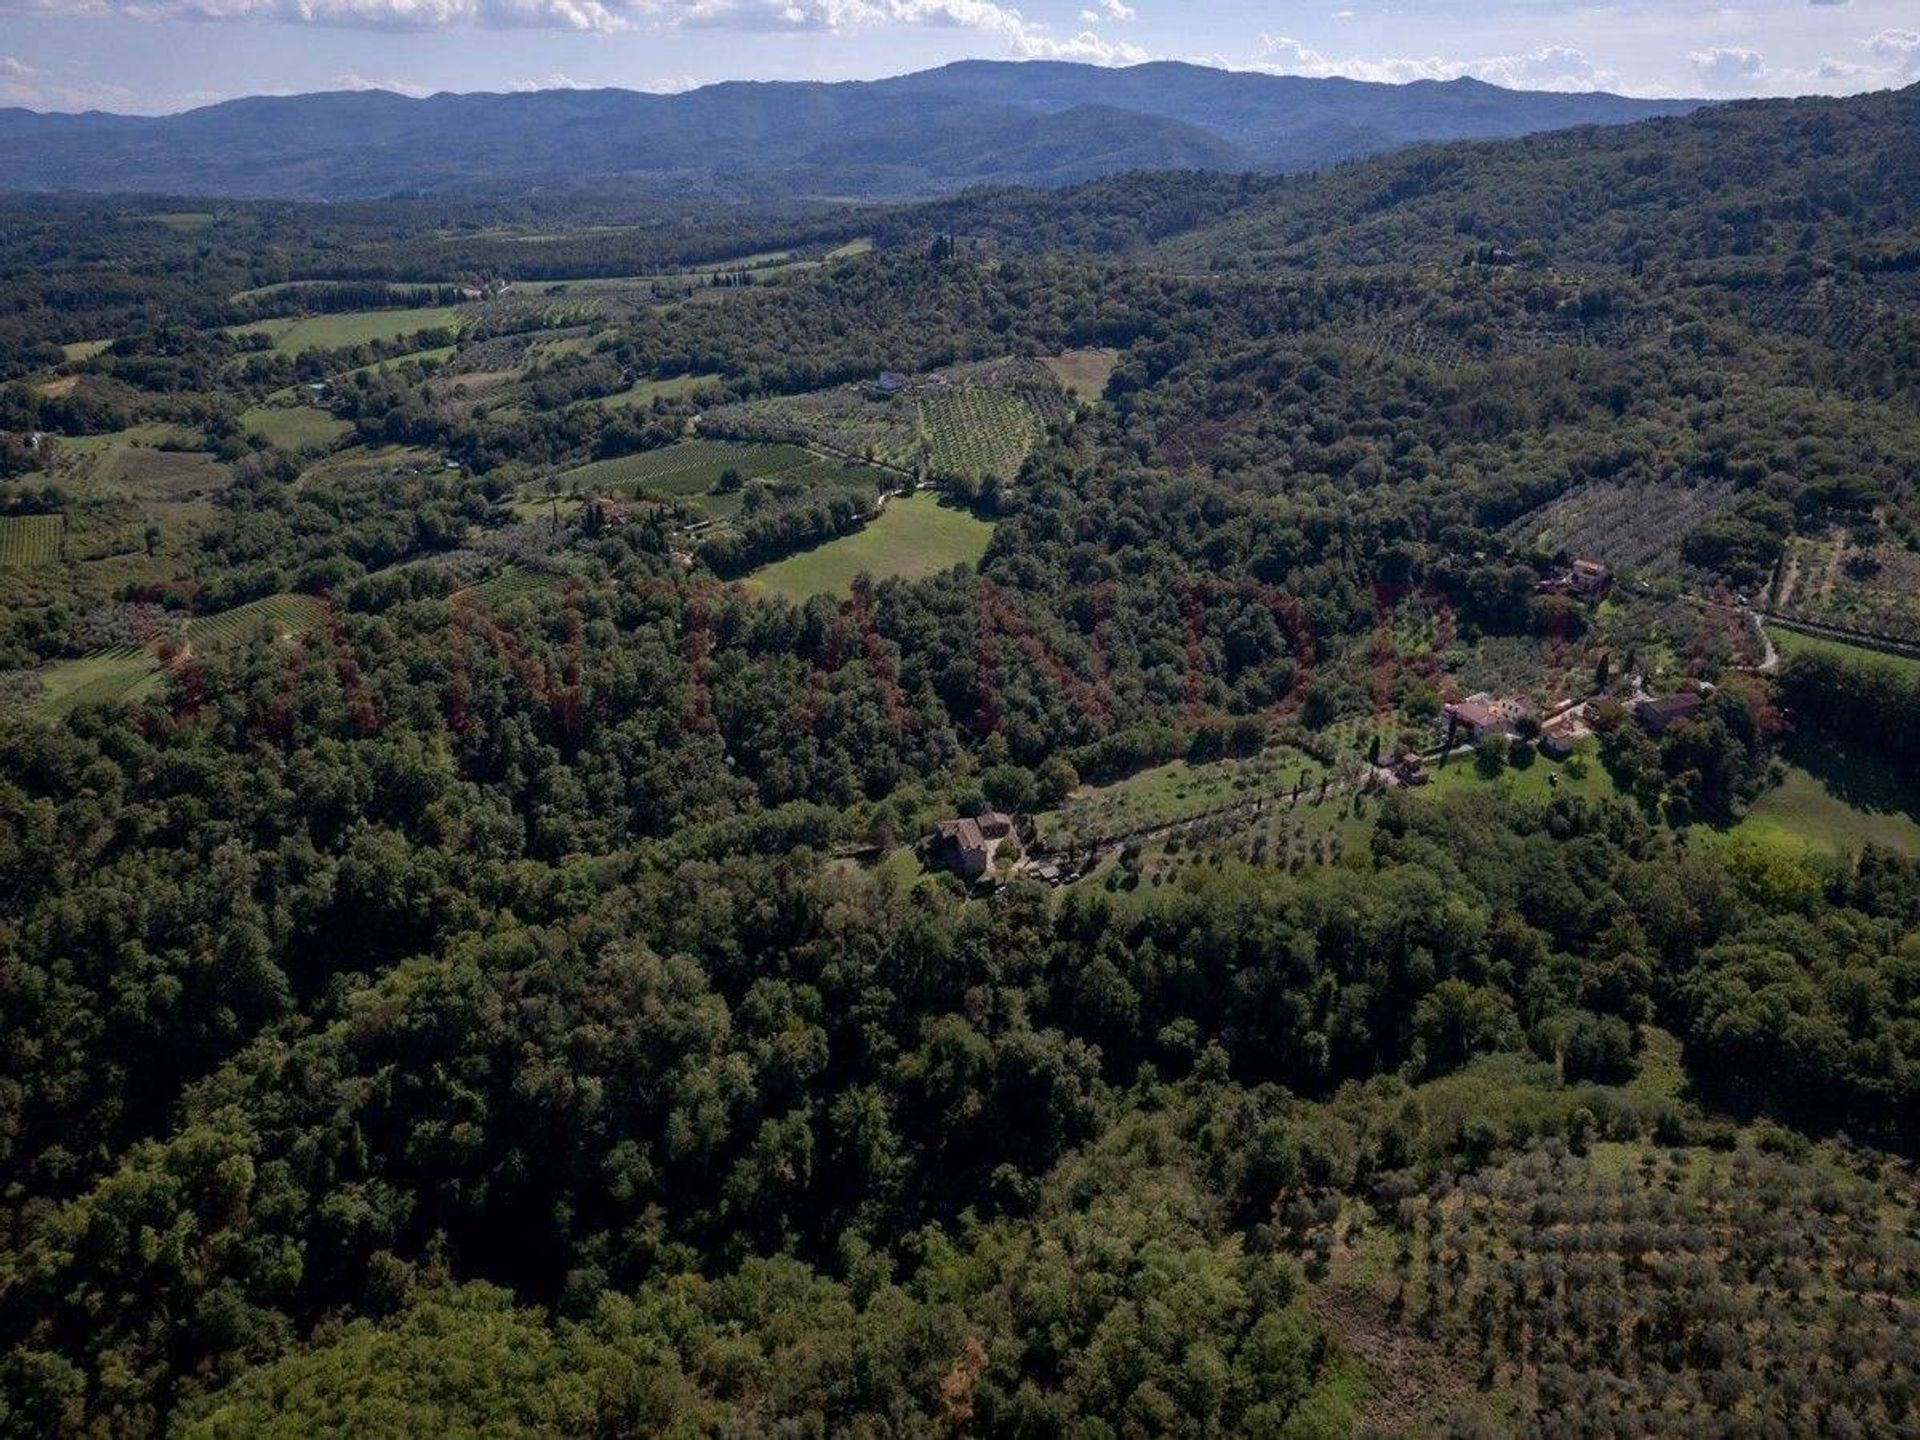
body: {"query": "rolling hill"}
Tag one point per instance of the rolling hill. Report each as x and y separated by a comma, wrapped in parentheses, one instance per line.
(973, 123)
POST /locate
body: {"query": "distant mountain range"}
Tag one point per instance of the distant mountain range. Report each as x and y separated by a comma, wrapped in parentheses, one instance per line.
(972, 123)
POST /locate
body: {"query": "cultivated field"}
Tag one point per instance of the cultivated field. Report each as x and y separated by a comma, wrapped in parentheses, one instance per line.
(353, 327)
(124, 673)
(295, 427)
(1873, 589)
(1640, 526)
(914, 537)
(29, 541)
(691, 468)
(968, 422)
(1792, 642)
(159, 474)
(645, 392)
(976, 432)
(107, 677)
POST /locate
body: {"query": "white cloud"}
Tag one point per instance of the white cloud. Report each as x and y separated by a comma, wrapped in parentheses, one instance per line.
(15, 69)
(1551, 67)
(1899, 48)
(1106, 10)
(1726, 66)
(1019, 35)
(361, 82)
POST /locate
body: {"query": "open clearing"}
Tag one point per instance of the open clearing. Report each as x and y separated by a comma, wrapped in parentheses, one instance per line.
(1792, 642)
(645, 392)
(353, 327)
(84, 349)
(1084, 373)
(1837, 804)
(914, 537)
(28, 541)
(295, 427)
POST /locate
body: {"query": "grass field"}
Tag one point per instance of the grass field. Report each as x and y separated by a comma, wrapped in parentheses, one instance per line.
(645, 392)
(433, 355)
(1835, 803)
(1791, 642)
(150, 434)
(84, 349)
(914, 537)
(159, 474)
(1540, 780)
(295, 427)
(862, 246)
(29, 541)
(108, 677)
(1084, 373)
(354, 327)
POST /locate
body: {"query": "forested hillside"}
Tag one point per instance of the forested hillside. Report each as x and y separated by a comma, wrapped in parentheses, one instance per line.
(1198, 805)
(913, 135)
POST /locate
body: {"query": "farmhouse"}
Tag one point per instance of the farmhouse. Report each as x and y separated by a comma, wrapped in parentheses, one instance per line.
(891, 382)
(1656, 717)
(1587, 579)
(968, 846)
(1481, 715)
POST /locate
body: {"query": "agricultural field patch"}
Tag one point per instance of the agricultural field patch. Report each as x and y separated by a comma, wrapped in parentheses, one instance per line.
(1790, 642)
(122, 673)
(509, 585)
(1176, 793)
(645, 392)
(107, 677)
(360, 463)
(295, 427)
(1628, 526)
(159, 474)
(290, 336)
(29, 542)
(283, 616)
(692, 467)
(431, 356)
(1084, 373)
(151, 435)
(914, 537)
(1558, 1283)
(1835, 803)
(85, 349)
(862, 246)
(970, 421)
(1872, 589)
(396, 291)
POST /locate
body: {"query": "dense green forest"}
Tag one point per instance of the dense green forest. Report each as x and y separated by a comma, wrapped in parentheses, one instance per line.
(468, 955)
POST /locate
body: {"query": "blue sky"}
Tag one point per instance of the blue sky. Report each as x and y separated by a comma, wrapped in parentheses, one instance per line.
(163, 55)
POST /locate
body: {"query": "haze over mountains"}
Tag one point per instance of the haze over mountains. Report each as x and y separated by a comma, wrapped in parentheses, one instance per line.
(976, 122)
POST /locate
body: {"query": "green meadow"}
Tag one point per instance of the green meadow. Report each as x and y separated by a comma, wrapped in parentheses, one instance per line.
(914, 537)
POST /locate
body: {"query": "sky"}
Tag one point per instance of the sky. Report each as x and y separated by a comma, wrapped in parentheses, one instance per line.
(157, 56)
